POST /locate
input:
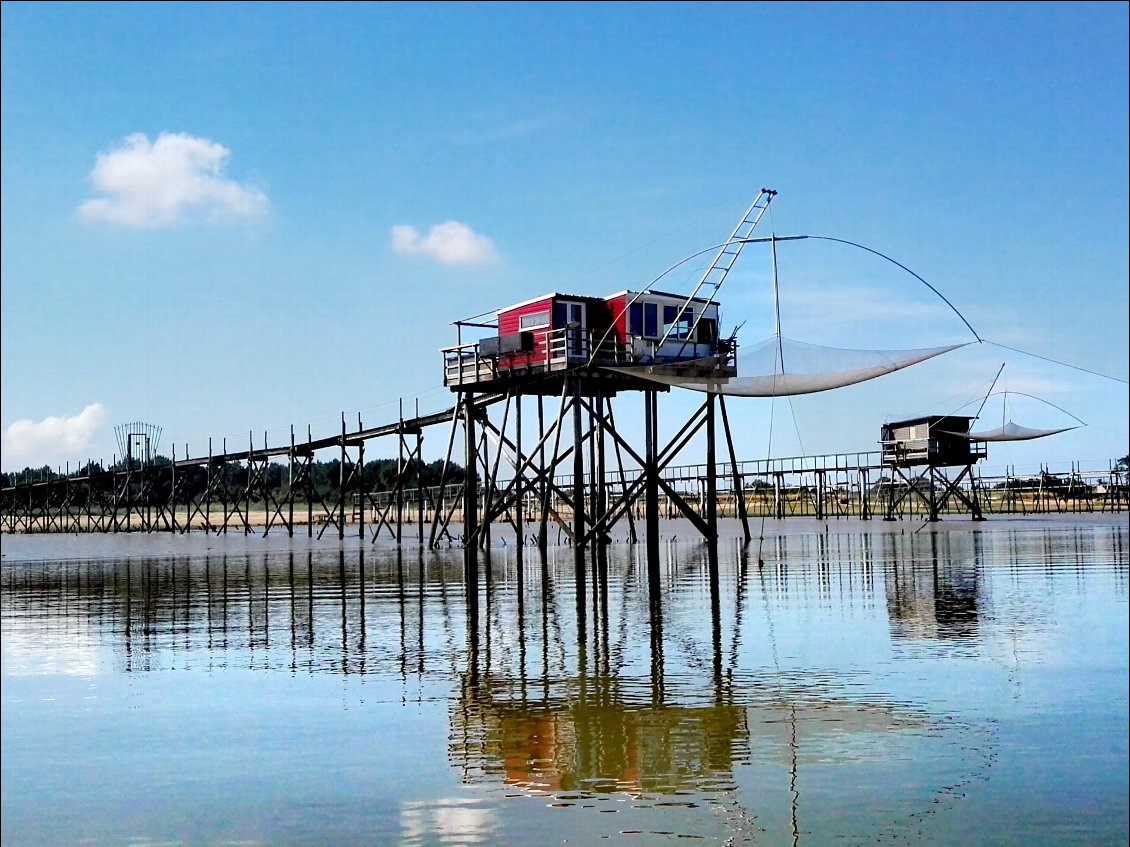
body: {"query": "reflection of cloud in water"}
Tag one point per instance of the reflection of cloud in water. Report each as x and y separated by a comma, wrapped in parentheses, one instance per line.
(447, 820)
(36, 651)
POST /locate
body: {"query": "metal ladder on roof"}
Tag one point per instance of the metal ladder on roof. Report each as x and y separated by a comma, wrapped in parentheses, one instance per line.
(726, 256)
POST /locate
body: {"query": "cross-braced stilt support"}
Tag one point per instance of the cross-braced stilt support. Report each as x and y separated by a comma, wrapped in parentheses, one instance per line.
(409, 462)
(926, 486)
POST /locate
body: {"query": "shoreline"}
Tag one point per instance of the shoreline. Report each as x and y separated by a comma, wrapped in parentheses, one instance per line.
(55, 546)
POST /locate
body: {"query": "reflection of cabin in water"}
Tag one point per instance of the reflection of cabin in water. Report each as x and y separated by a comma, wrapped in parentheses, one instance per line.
(605, 735)
(558, 332)
(935, 598)
(607, 747)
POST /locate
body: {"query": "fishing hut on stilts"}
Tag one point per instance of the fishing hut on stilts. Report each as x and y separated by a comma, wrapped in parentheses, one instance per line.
(919, 454)
(582, 473)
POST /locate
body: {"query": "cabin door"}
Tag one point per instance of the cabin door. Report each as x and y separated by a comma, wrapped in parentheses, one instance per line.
(574, 320)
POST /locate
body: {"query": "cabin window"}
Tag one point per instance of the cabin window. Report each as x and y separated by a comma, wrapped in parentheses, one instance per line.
(635, 319)
(677, 323)
(534, 320)
(565, 313)
(650, 320)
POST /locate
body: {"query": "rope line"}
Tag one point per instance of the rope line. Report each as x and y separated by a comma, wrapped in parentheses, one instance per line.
(1057, 362)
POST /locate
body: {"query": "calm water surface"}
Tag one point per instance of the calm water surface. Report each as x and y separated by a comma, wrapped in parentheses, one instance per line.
(845, 684)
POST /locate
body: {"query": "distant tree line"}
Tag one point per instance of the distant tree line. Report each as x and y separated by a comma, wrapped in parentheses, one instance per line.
(378, 475)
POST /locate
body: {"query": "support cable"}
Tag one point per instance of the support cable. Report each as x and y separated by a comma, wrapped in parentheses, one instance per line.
(1057, 362)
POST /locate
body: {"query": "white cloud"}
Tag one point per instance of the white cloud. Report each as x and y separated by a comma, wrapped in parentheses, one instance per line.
(159, 183)
(51, 439)
(450, 242)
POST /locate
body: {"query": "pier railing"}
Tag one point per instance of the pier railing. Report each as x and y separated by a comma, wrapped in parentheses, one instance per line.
(199, 493)
(843, 485)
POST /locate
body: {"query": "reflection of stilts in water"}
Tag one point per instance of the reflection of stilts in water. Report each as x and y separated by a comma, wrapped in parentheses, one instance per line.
(129, 615)
(630, 589)
(150, 614)
(601, 582)
(794, 791)
(549, 600)
(310, 603)
(344, 604)
(593, 732)
(293, 612)
(448, 628)
(361, 619)
(224, 604)
(521, 595)
(402, 607)
(250, 610)
(657, 680)
(546, 602)
(421, 571)
(794, 788)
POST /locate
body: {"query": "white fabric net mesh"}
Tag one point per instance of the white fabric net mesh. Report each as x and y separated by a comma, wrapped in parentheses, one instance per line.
(780, 367)
(1013, 432)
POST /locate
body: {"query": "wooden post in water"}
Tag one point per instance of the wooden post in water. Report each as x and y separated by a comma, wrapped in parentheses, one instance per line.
(290, 487)
(600, 468)
(247, 487)
(172, 486)
(419, 478)
(864, 495)
(208, 492)
(578, 489)
(520, 523)
(821, 489)
(470, 496)
(739, 484)
(651, 489)
(711, 503)
(711, 475)
(341, 485)
(400, 474)
(543, 485)
(309, 461)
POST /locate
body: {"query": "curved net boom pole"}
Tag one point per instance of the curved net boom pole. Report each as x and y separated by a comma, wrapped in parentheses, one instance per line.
(775, 238)
(1042, 400)
(1011, 431)
(905, 268)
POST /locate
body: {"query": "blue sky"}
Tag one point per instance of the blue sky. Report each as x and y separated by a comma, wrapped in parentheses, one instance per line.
(232, 218)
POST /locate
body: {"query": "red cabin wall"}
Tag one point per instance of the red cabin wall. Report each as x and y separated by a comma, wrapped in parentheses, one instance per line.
(618, 315)
(509, 321)
(599, 317)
